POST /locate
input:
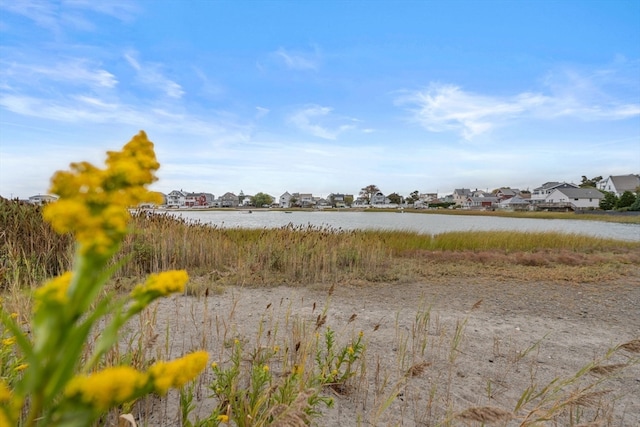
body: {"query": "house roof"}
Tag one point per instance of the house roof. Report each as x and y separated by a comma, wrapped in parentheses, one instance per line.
(553, 184)
(581, 193)
(515, 200)
(626, 182)
(484, 199)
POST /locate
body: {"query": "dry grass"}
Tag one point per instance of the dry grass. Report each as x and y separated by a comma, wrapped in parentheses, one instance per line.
(216, 257)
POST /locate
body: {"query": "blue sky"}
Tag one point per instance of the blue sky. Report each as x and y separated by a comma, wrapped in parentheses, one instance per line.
(322, 96)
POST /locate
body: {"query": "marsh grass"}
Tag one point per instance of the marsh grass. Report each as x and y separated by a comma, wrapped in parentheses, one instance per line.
(31, 252)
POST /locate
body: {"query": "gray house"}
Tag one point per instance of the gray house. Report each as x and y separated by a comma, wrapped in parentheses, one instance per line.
(618, 184)
(229, 200)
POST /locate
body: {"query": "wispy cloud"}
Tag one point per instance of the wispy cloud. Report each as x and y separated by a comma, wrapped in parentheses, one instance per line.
(74, 71)
(149, 74)
(56, 16)
(261, 112)
(447, 107)
(297, 60)
(85, 110)
(318, 121)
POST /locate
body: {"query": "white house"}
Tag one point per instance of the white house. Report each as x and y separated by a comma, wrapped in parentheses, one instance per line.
(41, 199)
(539, 195)
(285, 200)
(378, 198)
(176, 198)
(578, 198)
(618, 184)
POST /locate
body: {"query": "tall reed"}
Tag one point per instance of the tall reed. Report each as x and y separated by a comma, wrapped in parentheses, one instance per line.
(30, 251)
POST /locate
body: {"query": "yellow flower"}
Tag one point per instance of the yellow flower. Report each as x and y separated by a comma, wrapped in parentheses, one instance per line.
(14, 315)
(361, 334)
(55, 290)
(5, 391)
(161, 284)
(223, 418)
(214, 365)
(107, 388)
(21, 367)
(276, 349)
(9, 341)
(297, 370)
(93, 202)
(265, 368)
(177, 372)
(350, 350)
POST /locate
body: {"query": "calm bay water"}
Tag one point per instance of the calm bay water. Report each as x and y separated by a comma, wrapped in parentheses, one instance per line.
(421, 223)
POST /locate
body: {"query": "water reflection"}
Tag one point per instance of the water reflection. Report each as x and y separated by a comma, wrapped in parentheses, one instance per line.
(422, 223)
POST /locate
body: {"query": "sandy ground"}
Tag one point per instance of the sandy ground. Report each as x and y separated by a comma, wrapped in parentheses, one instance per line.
(414, 324)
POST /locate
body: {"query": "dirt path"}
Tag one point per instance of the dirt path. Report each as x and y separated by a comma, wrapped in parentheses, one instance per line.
(513, 335)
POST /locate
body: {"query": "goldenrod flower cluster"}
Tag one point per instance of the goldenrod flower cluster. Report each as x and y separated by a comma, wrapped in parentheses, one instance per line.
(161, 284)
(93, 202)
(54, 291)
(177, 373)
(107, 388)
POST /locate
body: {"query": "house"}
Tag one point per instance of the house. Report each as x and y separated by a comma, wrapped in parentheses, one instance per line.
(41, 199)
(229, 200)
(360, 202)
(506, 193)
(199, 199)
(574, 198)
(305, 200)
(515, 203)
(378, 198)
(176, 198)
(339, 200)
(540, 194)
(482, 202)
(460, 195)
(428, 197)
(285, 200)
(618, 184)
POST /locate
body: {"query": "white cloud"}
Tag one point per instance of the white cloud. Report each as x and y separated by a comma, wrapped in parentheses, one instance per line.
(150, 75)
(297, 60)
(261, 112)
(85, 110)
(73, 72)
(447, 107)
(318, 121)
(123, 10)
(56, 16)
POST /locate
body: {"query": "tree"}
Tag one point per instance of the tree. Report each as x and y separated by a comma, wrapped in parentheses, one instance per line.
(395, 198)
(609, 201)
(636, 205)
(590, 182)
(261, 199)
(414, 196)
(627, 199)
(369, 191)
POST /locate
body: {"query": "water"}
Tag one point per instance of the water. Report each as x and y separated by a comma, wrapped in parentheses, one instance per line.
(421, 223)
